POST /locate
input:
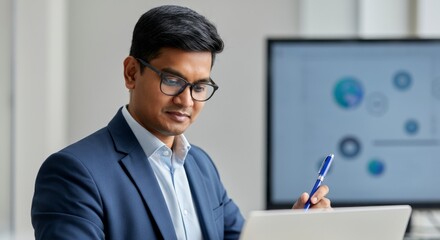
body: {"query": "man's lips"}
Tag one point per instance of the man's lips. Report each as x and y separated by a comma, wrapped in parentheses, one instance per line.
(178, 115)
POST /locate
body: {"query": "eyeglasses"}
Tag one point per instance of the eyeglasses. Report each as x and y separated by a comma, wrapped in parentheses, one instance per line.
(173, 85)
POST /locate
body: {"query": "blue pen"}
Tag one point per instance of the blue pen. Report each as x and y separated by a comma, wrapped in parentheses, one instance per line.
(322, 172)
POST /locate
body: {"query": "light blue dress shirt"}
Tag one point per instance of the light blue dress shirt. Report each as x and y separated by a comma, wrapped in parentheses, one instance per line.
(168, 167)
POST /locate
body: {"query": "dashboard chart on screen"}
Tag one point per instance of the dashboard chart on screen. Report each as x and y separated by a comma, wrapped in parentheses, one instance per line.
(375, 104)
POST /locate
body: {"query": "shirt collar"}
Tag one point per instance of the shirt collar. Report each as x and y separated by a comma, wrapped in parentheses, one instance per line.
(151, 143)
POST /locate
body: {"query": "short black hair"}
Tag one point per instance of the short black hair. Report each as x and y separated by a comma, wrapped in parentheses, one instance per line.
(176, 27)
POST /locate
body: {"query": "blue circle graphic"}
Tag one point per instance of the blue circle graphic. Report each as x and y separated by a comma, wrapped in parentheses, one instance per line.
(376, 167)
(349, 147)
(348, 92)
(411, 126)
(402, 80)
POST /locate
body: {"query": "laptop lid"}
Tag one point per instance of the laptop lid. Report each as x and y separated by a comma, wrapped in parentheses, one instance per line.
(375, 222)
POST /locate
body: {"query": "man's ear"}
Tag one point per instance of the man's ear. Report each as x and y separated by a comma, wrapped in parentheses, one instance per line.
(131, 67)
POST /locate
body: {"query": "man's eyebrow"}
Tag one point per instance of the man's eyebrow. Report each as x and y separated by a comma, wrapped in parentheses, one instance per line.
(178, 74)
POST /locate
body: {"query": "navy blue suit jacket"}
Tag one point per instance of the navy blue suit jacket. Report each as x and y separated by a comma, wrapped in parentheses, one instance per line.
(103, 187)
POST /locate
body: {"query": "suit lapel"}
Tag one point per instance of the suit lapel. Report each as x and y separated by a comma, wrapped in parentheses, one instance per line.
(139, 169)
(200, 197)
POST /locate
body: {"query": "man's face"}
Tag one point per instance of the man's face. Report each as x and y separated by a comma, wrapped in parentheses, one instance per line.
(162, 115)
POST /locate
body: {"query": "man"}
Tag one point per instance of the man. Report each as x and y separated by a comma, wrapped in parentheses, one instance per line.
(139, 178)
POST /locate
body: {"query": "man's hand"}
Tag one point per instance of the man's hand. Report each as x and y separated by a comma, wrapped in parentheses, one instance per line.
(318, 199)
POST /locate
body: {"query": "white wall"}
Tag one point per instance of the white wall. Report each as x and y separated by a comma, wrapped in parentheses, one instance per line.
(329, 19)
(428, 18)
(39, 96)
(385, 19)
(5, 114)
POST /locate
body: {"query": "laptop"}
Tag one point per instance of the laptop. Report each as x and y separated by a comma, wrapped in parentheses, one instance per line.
(353, 223)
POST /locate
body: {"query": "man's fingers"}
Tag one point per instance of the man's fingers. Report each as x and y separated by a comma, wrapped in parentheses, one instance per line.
(320, 194)
(299, 204)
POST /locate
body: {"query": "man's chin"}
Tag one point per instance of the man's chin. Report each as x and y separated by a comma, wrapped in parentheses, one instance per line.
(174, 132)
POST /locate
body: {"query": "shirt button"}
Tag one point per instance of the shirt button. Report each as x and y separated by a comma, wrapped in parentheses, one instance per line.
(185, 212)
(166, 153)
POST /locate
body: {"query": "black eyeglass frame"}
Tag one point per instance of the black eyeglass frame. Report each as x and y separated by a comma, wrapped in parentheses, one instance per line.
(191, 85)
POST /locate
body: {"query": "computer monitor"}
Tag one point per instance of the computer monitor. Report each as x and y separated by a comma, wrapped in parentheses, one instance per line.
(374, 104)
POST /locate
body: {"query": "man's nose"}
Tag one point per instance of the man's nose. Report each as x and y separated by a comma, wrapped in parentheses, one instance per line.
(184, 98)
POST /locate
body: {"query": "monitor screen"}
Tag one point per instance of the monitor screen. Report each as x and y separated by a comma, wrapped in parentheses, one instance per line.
(374, 104)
